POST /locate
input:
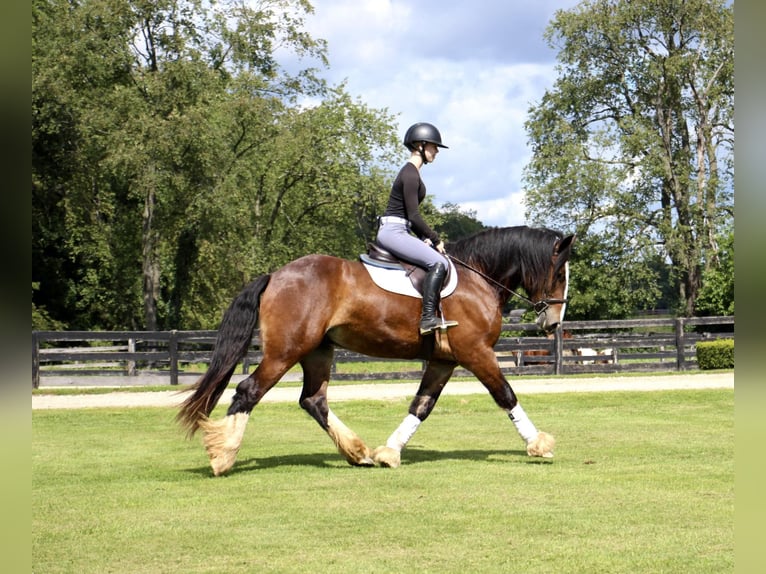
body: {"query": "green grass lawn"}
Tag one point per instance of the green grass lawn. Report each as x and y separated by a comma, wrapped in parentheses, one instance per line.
(641, 482)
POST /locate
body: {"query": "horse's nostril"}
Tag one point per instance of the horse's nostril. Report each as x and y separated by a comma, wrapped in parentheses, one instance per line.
(551, 328)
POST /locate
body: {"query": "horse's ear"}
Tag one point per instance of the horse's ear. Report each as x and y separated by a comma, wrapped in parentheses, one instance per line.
(564, 245)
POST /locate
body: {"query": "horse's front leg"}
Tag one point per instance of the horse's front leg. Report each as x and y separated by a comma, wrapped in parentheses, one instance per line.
(538, 443)
(435, 377)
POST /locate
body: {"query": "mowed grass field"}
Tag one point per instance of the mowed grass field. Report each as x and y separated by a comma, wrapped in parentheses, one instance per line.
(641, 482)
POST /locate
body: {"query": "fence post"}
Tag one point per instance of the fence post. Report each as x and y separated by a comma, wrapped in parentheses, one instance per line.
(173, 348)
(131, 365)
(35, 361)
(558, 349)
(680, 344)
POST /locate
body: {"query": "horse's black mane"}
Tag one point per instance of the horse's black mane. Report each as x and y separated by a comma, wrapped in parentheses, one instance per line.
(513, 256)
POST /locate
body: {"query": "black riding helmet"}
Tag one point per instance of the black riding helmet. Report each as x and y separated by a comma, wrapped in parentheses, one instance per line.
(422, 132)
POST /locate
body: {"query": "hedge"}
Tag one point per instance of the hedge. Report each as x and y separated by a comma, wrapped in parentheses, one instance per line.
(717, 354)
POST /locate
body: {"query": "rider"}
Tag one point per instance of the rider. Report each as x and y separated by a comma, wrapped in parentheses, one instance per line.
(402, 216)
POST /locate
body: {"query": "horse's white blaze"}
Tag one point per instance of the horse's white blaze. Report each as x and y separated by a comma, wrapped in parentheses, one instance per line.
(566, 292)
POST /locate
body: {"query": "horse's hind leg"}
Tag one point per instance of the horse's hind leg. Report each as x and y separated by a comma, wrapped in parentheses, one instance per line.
(316, 375)
(223, 438)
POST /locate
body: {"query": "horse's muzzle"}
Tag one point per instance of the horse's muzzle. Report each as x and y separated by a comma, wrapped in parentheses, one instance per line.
(545, 326)
(549, 318)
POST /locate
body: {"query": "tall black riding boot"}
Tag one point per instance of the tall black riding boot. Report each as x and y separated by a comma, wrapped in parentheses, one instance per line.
(432, 285)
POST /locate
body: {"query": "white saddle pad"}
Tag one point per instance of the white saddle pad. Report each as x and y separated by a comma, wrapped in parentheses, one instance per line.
(396, 280)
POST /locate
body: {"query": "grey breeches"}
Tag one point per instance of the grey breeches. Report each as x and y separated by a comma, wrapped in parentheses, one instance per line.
(396, 238)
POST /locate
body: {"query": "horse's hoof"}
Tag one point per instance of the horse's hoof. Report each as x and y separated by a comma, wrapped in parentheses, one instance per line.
(387, 457)
(366, 461)
(222, 464)
(542, 446)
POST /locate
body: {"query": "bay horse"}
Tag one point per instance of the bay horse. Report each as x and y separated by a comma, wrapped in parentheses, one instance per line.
(318, 302)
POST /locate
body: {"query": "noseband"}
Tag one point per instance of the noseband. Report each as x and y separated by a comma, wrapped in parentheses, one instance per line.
(540, 306)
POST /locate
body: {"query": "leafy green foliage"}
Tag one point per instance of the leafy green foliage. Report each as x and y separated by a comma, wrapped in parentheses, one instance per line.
(717, 292)
(609, 279)
(632, 147)
(182, 147)
(41, 319)
(715, 354)
(457, 223)
(174, 158)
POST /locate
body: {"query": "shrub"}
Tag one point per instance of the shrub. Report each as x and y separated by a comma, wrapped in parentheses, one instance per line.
(716, 354)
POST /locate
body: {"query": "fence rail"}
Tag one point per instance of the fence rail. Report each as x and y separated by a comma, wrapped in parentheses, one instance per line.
(666, 344)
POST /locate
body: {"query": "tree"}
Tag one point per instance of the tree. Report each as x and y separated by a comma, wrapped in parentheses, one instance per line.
(457, 223)
(77, 53)
(315, 185)
(174, 158)
(633, 144)
(41, 319)
(618, 284)
(717, 293)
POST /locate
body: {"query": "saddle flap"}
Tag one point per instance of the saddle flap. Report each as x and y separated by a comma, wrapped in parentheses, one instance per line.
(380, 261)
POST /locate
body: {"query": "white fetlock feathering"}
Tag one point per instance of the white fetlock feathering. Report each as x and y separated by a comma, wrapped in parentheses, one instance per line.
(353, 448)
(223, 439)
(542, 445)
(387, 457)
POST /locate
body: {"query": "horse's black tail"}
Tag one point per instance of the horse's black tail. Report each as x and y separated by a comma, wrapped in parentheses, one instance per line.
(231, 345)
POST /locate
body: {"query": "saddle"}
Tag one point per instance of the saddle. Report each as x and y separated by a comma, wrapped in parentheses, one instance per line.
(378, 256)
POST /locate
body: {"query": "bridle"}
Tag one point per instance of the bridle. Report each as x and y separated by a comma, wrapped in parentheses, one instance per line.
(539, 307)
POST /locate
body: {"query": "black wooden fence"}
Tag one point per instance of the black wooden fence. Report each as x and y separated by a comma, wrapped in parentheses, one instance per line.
(658, 344)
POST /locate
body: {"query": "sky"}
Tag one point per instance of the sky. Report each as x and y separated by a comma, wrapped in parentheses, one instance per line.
(473, 69)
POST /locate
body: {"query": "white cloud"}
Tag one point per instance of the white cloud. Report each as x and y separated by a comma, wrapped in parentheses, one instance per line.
(500, 212)
(472, 69)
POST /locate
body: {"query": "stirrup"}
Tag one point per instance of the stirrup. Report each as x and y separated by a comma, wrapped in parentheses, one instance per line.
(444, 324)
(430, 325)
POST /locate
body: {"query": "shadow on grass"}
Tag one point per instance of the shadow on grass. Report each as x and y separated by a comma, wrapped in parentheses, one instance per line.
(410, 457)
(318, 460)
(419, 456)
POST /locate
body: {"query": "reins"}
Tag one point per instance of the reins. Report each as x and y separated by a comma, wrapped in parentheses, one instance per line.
(539, 307)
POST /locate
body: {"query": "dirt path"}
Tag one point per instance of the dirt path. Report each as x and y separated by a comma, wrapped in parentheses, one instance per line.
(387, 391)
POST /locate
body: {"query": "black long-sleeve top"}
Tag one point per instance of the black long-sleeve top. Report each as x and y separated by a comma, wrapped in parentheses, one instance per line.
(407, 192)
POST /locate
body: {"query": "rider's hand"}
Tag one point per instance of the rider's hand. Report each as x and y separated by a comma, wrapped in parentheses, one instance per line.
(428, 242)
(440, 247)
